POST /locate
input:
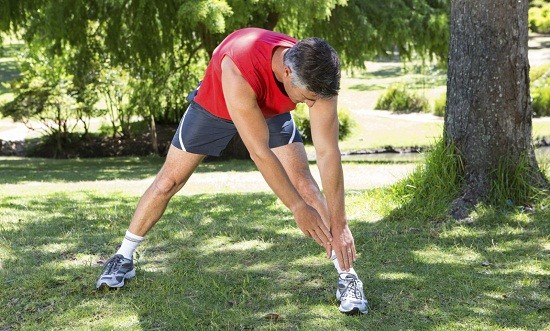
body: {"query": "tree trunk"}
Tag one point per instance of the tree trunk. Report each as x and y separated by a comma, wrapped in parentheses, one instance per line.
(153, 133)
(488, 116)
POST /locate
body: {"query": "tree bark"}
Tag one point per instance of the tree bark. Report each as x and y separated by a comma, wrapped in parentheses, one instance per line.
(153, 132)
(488, 116)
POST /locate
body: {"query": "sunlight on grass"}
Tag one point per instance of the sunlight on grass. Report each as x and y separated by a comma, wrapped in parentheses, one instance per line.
(155, 263)
(397, 276)
(125, 319)
(220, 244)
(458, 255)
(311, 261)
(226, 261)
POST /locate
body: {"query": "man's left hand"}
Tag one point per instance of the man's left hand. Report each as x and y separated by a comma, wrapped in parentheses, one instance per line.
(344, 247)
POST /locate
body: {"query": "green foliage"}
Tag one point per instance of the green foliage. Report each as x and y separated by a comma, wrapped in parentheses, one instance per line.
(537, 72)
(140, 58)
(511, 184)
(415, 26)
(301, 118)
(440, 104)
(540, 90)
(430, 189)
(539, 18)
(46, 92)
(541, 100)
(398, 98)
(141, 32)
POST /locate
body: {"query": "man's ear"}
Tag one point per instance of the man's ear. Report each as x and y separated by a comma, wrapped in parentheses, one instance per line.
(288, 71)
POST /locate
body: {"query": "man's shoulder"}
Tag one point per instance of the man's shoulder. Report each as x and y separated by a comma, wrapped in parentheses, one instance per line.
(251, 37)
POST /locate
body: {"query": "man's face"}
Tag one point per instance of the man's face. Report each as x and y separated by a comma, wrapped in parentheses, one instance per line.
(298, 94)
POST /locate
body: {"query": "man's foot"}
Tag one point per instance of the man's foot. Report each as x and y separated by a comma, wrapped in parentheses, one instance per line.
(350, 294)
(115, 271)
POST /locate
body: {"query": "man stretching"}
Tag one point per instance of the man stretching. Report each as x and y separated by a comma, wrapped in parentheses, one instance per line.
(254, 79)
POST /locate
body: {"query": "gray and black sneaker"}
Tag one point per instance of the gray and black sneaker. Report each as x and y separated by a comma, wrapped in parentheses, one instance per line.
(350, 294)
(115, 271)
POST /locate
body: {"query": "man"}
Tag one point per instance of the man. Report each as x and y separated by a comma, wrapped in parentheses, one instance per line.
(253, 81)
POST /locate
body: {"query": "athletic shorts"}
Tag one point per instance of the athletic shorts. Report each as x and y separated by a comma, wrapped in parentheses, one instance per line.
(200, 132)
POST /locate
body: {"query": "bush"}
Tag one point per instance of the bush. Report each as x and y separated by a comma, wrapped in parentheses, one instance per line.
(539, 18)
(398, 99)
(541, 100)
(301, 118)
(440, 104)
(537, 72)
(540, 90)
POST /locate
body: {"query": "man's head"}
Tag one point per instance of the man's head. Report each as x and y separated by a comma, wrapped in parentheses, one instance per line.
(314, 65)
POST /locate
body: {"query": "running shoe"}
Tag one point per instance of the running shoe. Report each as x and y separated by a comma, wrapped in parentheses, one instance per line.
(350, 294)
(116, 270)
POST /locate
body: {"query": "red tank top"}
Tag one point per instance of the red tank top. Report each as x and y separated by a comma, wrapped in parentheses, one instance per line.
(251, 50)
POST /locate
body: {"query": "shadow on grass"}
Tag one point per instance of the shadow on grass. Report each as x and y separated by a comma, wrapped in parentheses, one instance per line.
(394, 71)
(447, 276)
(368, 87)
(17, 170)
(227, 261)
(213, 262)
(386, 72)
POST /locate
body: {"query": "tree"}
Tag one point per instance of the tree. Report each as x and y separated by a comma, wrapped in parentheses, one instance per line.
(165, 44)
(488, 117)
(46, 94)
(140, 33)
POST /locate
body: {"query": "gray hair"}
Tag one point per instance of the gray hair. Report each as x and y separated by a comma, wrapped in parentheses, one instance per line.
(315, 66)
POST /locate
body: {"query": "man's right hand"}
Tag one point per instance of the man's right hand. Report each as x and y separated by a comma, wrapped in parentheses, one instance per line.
(311, 224)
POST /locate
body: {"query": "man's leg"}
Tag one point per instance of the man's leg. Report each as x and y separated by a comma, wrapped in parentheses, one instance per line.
(177, 168)
(175, 172)
(294, 159)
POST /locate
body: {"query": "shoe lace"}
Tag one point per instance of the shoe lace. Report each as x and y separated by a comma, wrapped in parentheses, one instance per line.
(353, 288)
(112, 265)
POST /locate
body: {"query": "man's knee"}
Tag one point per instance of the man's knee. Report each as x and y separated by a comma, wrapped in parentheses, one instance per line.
(307, 186)
(165, 186)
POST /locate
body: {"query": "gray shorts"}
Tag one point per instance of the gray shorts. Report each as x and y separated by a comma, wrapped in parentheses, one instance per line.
(200, 132)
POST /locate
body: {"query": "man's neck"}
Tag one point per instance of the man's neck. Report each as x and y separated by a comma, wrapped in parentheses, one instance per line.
(277, 63)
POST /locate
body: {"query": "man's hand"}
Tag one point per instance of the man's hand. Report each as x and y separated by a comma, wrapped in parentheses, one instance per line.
(311, 224)
(344, 247)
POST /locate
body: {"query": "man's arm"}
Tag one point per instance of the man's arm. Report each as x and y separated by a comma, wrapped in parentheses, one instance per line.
(324, 131)
(250, 123)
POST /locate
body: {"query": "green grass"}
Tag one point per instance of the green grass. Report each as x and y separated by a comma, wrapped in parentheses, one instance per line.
(226, 261)
(20, 170)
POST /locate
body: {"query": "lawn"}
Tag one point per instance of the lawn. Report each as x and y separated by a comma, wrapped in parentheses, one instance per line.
(236, 261)
(228, 256)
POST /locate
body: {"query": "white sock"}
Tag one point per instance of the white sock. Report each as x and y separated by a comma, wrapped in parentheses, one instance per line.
(129, 244)
(337, 265)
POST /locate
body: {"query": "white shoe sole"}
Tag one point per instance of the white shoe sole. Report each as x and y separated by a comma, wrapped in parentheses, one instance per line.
(355, 310)
(128, 275)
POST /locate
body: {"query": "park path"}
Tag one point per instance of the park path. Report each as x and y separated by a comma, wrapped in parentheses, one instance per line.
(356, 177)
